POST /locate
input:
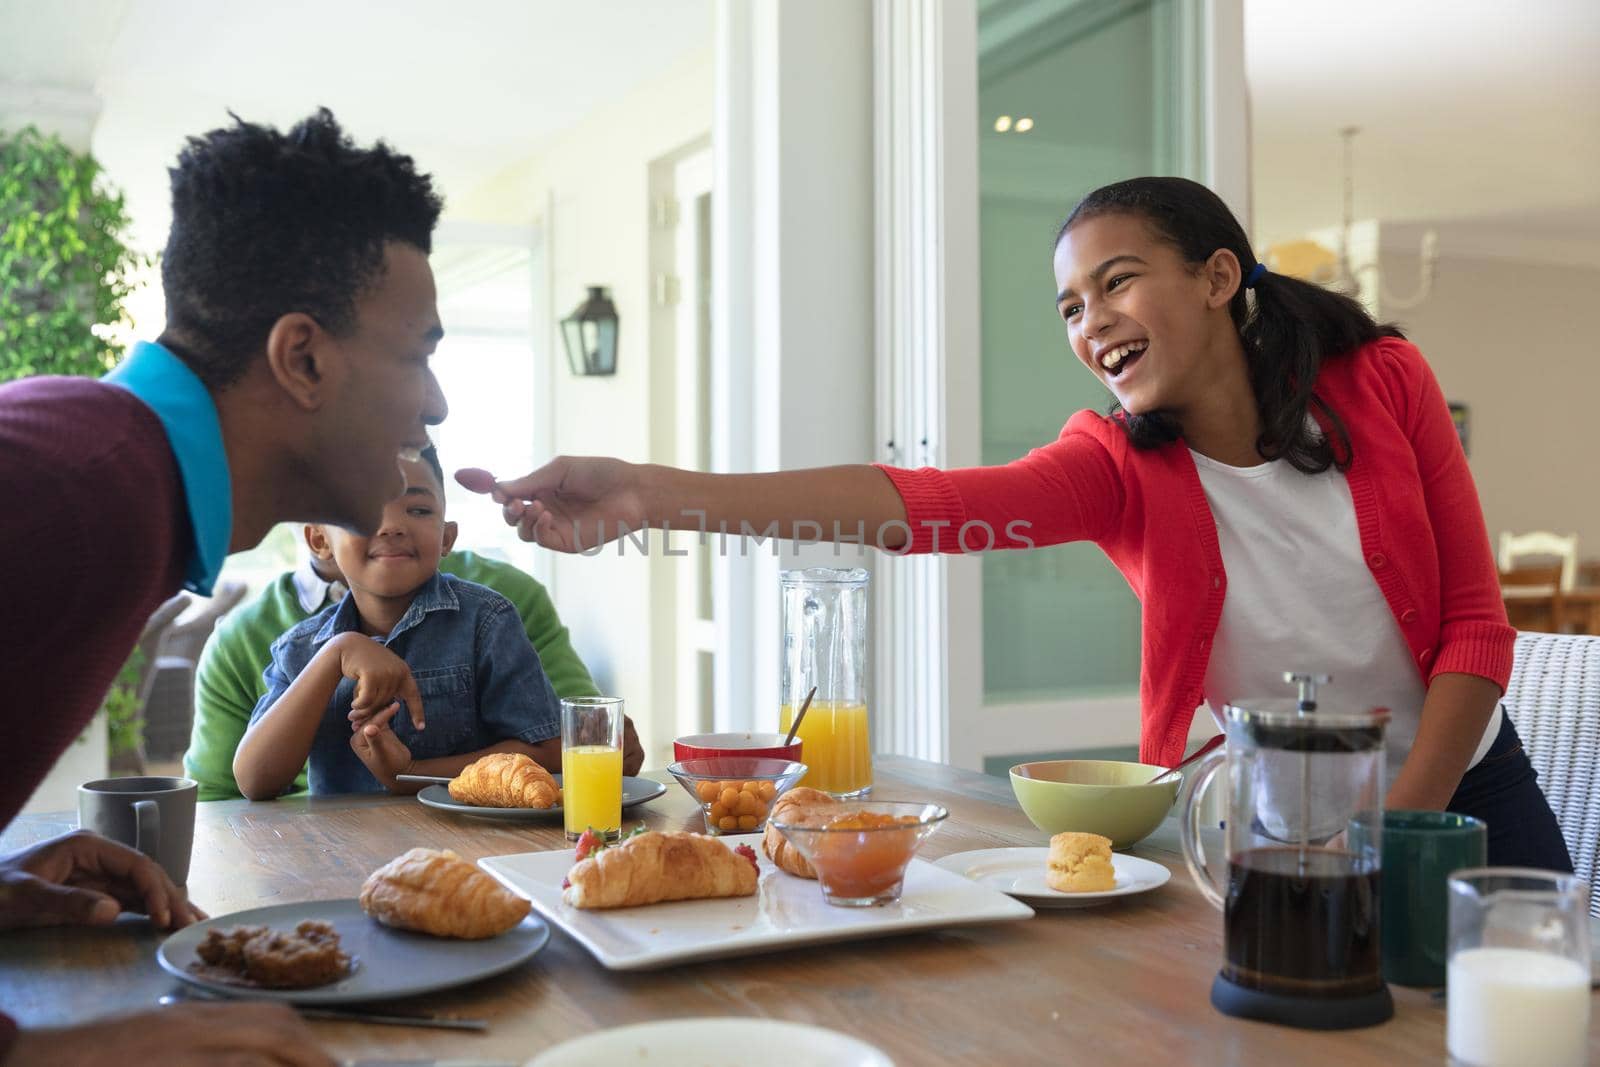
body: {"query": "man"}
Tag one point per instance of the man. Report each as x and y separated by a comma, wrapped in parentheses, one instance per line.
(292, 374)
(229, 684)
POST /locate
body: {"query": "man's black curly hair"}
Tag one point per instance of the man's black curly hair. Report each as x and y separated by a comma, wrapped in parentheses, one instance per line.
(267, 223)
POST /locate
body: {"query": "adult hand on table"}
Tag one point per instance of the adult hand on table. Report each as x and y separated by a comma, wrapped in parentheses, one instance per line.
(85, 879)
(569, 504)
(185, 1035)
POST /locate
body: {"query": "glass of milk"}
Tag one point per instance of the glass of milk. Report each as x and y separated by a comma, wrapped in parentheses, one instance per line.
(1518, 974)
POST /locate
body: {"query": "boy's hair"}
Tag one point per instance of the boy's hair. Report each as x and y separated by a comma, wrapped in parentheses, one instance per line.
(430, 456)
(1289, 329)
(267, 223)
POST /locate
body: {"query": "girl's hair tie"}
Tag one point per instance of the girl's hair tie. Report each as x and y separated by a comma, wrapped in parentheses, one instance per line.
(1254, 276)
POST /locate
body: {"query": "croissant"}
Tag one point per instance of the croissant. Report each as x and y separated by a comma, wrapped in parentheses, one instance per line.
(442, 894)
(505, 780)
(656, 866)
(776, 846)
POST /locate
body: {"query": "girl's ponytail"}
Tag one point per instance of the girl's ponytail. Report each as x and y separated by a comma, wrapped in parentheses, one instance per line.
(1287, 330)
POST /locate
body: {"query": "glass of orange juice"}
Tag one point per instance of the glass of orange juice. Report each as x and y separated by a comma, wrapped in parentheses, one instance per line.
(825, 635)
(591, 766)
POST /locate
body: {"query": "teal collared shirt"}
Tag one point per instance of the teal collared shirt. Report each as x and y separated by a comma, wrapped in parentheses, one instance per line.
(189, 416)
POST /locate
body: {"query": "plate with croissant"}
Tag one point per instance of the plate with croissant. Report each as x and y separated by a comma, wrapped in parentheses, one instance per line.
(427, 920)
(510, 786)
(660, 898)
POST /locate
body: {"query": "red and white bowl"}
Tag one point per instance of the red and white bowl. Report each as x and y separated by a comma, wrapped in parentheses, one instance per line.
(710, 746)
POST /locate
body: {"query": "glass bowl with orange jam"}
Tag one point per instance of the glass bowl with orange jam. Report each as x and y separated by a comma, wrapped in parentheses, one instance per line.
(860, 849)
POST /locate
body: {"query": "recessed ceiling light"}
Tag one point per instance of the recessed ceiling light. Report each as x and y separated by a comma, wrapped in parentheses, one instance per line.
(1024, 125)
(1002, 124)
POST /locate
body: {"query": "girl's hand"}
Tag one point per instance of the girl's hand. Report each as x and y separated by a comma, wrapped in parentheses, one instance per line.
(381, 678)
(570, 504)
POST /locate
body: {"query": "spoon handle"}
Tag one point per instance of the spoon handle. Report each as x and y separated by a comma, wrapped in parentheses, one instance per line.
(1201, 751)
(794, 727)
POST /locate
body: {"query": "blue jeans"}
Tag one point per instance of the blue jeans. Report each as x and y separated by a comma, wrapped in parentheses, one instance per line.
(1503, 790)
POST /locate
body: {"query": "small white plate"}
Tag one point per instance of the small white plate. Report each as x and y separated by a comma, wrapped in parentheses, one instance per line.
(696, 1042)
(1019, 872)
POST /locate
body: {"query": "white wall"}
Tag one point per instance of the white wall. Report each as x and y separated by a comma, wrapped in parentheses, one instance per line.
(596, 177)
(1516, 342)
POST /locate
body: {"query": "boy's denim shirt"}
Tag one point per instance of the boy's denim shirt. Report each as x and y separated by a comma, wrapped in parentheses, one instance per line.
(479, 676)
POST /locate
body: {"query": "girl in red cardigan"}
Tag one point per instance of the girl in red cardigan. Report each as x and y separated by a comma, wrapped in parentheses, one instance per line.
(1278, 479)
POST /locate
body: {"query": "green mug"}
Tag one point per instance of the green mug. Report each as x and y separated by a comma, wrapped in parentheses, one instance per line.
(1420, 849)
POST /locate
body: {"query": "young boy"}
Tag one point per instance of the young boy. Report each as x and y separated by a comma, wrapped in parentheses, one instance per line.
(450, 654)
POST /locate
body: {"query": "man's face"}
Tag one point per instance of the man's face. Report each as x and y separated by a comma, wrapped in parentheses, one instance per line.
(387, 395)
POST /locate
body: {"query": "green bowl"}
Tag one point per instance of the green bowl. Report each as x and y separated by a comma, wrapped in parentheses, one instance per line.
(1093, 796)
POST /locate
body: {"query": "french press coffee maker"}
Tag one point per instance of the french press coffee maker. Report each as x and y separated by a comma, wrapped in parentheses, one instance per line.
(1302, 833)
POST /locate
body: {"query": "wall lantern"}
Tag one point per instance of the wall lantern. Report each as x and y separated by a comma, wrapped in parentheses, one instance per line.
(590, 334)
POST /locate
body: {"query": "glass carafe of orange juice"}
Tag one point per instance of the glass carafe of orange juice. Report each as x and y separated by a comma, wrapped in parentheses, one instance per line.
(825, 645)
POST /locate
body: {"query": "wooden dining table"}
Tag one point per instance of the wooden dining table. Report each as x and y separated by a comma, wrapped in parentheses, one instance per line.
(1123, 983)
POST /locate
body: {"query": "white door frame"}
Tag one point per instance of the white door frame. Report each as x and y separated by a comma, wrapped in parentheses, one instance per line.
(693, 177)
(793, 299)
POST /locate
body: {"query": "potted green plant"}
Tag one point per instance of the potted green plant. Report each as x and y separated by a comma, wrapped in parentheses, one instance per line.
(65, 272)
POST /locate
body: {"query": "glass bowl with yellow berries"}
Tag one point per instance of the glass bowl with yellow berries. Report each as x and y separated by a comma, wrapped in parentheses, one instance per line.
(736, 793)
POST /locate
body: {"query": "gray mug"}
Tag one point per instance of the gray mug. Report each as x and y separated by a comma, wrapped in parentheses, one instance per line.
(153, 815)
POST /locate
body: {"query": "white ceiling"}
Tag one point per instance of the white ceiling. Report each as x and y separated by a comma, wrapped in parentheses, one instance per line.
(467, 87)
(1468, 109)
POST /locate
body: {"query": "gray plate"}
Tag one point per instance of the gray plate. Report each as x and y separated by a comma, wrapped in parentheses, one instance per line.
(392, 963)
(634, 791)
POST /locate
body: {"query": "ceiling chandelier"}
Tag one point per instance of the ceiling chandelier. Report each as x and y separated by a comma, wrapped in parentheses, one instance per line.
(1333, 268)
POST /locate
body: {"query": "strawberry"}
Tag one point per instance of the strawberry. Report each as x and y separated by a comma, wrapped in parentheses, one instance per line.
(588, 843)
(748, 853)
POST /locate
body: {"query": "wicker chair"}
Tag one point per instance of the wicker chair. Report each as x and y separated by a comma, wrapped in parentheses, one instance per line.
(1554, 700)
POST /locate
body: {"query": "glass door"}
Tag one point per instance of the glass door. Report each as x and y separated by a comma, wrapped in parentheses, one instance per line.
(1072, 94)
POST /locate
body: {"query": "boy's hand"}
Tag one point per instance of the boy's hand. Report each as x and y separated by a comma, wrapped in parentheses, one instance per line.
(384, 754)
(632, 750)
(381, 678)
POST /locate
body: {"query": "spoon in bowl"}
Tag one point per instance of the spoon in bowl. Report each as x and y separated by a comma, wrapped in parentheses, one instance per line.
(787, 741)
(1201, 751)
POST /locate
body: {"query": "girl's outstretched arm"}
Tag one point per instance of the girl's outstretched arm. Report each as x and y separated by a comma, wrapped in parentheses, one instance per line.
(577, 503)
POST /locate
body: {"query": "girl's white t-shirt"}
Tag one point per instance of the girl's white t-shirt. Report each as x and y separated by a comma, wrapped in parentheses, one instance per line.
(1300, 598)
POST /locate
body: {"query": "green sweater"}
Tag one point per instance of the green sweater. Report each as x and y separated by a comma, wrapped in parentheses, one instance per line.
(229, 684)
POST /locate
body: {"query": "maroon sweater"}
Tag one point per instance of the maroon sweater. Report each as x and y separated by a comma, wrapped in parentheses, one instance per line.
(95, 536)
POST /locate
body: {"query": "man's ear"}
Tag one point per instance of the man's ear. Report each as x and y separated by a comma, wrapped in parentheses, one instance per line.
(301, 360)
(450, 532)
(1223, 275)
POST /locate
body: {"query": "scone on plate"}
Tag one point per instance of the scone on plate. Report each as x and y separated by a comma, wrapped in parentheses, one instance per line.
(1080, 863)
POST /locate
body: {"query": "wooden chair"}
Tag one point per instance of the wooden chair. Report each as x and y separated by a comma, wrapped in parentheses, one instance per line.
(1533, 597)
(1515, 549)
(1554, 700)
